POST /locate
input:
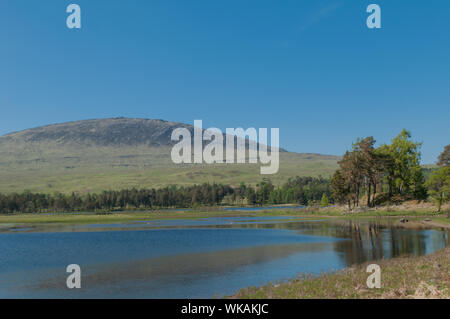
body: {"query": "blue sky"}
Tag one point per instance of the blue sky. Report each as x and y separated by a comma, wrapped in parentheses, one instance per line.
(311, 68)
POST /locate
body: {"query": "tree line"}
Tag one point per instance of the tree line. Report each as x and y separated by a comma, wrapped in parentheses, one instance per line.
(299, 190)
(367, 176)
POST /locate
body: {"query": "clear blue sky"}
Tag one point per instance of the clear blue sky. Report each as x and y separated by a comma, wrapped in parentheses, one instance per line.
(311, 68)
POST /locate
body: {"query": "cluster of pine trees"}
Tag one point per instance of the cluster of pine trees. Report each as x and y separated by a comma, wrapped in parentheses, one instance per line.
(171, 196)
(301, 190)
(391, 172)
(439, 182)
(298, 190)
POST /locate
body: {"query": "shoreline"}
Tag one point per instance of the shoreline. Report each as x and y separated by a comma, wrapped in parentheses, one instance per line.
(118, 222)
(404, 277)
(416, 219)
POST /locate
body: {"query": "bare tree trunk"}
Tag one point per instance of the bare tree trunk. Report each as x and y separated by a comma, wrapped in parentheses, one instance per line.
(374, 192)
(357, 195)
(440, 202)
(390, 182)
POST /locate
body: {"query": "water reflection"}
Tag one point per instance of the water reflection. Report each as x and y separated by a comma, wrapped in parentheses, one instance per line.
(376, 239)
(195, 258)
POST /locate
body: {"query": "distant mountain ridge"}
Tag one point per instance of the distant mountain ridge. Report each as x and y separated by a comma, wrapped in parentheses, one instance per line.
(117, 131)
(103, 132)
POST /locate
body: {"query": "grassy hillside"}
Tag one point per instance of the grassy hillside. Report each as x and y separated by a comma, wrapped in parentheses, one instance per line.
(65, 158)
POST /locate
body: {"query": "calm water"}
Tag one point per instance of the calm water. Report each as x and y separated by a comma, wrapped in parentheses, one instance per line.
(193, 258)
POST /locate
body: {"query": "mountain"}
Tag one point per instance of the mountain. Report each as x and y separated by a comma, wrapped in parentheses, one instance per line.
(101, 132)
(117, 132)
(101, 154)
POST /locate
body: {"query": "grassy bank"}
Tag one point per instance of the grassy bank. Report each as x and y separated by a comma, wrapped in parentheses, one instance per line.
(87, 218)
(104, 218)
(117, 217)
(403, 277)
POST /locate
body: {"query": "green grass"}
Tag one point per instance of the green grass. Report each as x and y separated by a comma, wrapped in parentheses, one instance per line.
(124, 216)
(442, 220)
(403, 277)
(118, 217)
(49, 168)
(102, 218)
